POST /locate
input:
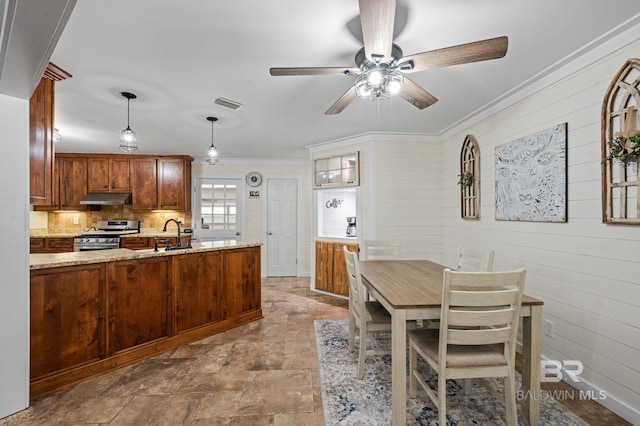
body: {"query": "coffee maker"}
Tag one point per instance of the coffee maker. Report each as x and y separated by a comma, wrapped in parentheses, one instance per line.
(351, 226)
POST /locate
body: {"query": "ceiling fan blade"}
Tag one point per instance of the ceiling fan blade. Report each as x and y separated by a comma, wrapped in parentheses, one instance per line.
(483, 50)
(377, 18)
(416, 95)
(314, 71)
(343, 102)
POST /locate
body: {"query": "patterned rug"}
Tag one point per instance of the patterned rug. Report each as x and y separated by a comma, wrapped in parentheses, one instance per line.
(349, 401)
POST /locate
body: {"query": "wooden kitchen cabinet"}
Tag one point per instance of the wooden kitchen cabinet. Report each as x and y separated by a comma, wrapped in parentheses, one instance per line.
(73, 182)
(67, 318)
(198, 283)
(331, 274)
(144, 186)
(241, 271)
(50, 245)
(138, 292)
(171, 184)
(108, 174)
(41, 146)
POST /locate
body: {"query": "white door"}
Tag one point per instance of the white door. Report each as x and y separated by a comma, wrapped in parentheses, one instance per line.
(282, 227)
(218, 209)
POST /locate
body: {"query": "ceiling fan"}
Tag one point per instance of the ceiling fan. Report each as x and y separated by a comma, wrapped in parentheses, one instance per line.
(380, 64)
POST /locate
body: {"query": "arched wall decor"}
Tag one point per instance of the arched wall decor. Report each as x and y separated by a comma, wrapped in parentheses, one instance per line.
(620, 198)
(470, 179)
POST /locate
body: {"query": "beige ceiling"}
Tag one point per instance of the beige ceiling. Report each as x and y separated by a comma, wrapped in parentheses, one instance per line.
(178, 56)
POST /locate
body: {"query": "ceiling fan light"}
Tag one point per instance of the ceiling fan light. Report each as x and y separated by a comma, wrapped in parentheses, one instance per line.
(395, 82)
(375, 77)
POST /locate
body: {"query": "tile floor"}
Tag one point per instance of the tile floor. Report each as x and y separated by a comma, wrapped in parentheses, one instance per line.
(263, 373)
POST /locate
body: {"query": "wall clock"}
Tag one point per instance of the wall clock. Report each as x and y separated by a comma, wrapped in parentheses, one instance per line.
(254, 179)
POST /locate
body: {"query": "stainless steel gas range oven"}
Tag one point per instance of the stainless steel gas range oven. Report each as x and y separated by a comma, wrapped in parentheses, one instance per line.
(106, 235)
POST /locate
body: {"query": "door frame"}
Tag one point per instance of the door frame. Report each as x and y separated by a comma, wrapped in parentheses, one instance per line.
(265, 221)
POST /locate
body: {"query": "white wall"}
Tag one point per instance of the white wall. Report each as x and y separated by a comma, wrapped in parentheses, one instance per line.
(14, 262)
(255, 229)
(587, 273)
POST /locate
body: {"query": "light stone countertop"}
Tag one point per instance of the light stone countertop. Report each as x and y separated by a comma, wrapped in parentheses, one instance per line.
(55, 260)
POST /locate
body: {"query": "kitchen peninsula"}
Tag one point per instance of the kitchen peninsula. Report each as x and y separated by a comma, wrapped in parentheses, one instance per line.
(95, 311)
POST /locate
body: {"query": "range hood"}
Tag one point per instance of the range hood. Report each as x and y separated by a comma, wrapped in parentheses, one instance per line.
(106, 198)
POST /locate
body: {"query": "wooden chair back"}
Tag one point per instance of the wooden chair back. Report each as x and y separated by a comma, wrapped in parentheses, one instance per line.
(381, 249)
(475, 260)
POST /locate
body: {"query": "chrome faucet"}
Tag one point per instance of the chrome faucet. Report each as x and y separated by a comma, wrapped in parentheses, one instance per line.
(179, 244)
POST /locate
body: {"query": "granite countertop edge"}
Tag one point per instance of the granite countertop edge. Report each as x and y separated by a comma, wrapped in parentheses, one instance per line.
(56, 260)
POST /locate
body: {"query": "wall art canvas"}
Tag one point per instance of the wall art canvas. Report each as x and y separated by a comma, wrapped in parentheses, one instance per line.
(531, 177)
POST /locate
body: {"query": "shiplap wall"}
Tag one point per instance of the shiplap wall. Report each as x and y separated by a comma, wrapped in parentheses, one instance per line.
(587, 273)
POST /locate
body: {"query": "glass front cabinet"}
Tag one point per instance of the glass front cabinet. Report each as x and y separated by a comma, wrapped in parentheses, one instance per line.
(336, 171)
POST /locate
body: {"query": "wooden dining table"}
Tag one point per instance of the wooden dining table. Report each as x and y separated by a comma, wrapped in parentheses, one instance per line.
(412, 290)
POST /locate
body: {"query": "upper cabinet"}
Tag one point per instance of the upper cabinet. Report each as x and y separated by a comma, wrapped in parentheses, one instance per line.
(174, 183)
(73, 182)
(109, 175)
(337, 171)
(144, 185)
(41, 125)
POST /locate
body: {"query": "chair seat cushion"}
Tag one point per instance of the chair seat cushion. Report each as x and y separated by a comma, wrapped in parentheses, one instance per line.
(458, 356)
(376, 313)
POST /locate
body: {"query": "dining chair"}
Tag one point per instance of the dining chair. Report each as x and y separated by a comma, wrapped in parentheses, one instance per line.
(477, 337)
(475, 260)
(381, 249)
(367, 316)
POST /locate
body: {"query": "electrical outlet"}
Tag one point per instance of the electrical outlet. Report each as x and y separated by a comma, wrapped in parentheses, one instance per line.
(181, 220)
(76, 220)
(549, 328)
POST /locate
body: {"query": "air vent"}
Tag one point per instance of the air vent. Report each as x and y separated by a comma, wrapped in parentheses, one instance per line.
(228, 103)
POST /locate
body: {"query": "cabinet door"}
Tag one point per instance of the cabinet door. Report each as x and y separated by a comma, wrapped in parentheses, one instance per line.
(138, 300)
(241, 290)
(143, 184)
(98, 175)
(340, 278)
(324, 266)
(119, 175)
(198, 288)
(67, 317)
(36, 245)
(73, 182)
(41, 143)
(171, 184)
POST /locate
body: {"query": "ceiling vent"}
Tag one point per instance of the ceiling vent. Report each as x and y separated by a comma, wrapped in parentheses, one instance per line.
(228, 103)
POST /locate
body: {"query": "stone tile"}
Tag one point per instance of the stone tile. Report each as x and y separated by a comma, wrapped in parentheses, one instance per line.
(277, 391)
(306, 419)
(81, 410)
(229, 380)
(219, 404)
(150, 377)
(199, 348)
(254, 355)
(159, 410)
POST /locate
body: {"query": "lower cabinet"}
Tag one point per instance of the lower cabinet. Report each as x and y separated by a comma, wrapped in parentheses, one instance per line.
(138, 298)
(90, 319)
(67, 318)
(50, 245)
(331, 275)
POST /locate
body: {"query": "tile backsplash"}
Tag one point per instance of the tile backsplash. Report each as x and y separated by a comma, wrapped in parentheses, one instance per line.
(65, 221)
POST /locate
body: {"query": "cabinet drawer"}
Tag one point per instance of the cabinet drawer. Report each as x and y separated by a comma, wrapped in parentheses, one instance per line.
(135, 243)
(36, 243)
(60, 243)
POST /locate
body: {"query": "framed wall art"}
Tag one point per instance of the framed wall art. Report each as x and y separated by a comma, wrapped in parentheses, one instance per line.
(531, 177)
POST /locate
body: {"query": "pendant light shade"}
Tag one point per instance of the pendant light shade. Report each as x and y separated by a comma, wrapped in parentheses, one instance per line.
(212, 153)
(128, 142)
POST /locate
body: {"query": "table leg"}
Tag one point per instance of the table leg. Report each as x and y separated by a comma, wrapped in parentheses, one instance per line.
(399, 367)
(531, 336)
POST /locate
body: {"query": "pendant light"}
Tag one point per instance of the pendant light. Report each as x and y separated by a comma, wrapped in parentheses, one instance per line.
(212, 154)
(128, 141)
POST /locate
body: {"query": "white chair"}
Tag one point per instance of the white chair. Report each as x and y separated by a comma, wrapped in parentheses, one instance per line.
(475, 260)
(368, 317)
(477, 336)
(380, 249)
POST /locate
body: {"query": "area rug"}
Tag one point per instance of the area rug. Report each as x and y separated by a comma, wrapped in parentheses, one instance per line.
(349, 401)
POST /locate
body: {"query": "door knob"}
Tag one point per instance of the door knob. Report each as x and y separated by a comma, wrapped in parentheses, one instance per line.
(237, 233)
